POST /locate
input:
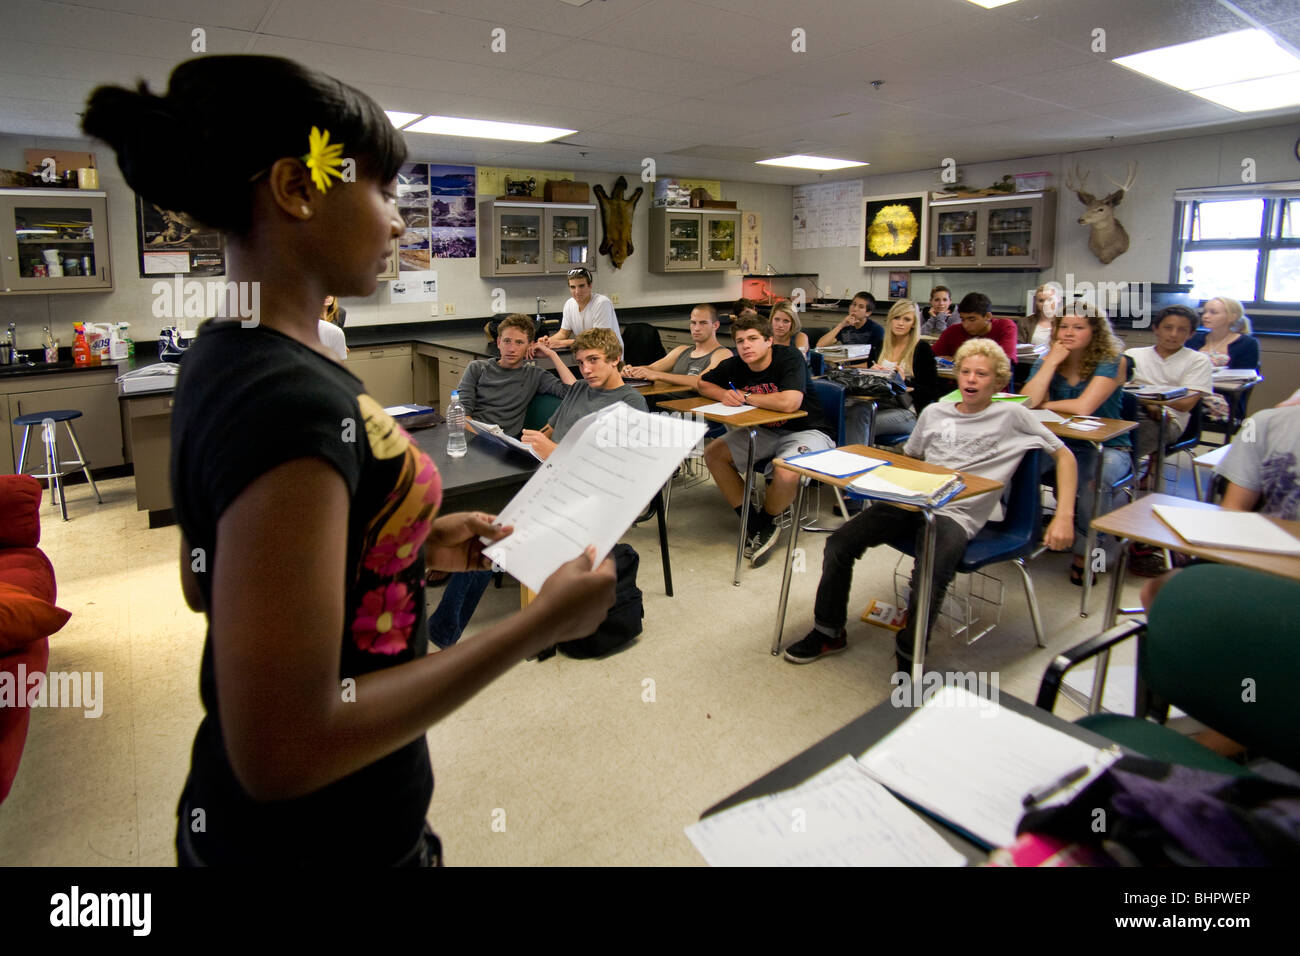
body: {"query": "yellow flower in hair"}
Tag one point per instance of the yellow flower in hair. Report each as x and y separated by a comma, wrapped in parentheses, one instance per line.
(324, 160)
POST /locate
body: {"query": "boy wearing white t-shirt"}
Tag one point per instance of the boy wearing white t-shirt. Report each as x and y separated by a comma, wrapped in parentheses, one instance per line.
(1167, 364)
(584, 311)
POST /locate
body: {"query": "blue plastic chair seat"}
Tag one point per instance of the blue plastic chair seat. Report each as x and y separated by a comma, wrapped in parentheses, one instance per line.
(59, 415)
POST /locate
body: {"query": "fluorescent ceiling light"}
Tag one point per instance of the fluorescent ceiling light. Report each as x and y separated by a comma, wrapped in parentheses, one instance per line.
(1218, 61)
(487, 129)
(1251, 96)
(810, 162)
(990, 4)
(400, 119)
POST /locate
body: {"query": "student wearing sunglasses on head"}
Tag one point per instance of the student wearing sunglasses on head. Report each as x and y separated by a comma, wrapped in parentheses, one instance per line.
(585, 310)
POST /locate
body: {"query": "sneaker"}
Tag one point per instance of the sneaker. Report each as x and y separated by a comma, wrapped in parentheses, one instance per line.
(816, 645)
(762, 543)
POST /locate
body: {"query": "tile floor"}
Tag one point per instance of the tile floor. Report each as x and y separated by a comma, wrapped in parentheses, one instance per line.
(571, 755)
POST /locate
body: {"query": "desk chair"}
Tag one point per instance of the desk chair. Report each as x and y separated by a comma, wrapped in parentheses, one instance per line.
(834, 401)
(1236, 414)
(1198, 649)
(1186, 442)
(658, 507)
(641, 344)
(1019, 535)
(540, 410)
(816, 361)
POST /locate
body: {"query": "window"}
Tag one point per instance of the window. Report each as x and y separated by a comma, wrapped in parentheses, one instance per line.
(1239, 243)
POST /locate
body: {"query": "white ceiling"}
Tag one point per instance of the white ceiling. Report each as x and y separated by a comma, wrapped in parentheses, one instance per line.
(705, 87)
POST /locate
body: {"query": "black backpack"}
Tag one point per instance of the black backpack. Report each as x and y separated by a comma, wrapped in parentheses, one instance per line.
(623, 622)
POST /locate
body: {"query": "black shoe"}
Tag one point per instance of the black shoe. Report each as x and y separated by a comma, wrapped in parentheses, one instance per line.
(761, 545)
(816, 645)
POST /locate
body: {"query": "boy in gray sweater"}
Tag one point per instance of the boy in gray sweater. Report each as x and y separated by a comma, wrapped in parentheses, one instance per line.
(498, 391)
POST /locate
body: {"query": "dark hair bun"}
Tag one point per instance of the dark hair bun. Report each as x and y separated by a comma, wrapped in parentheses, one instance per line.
(224, 120)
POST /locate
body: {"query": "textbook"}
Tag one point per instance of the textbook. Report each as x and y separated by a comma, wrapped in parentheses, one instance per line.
(894, 483)
(955, 396)
(1155, 392)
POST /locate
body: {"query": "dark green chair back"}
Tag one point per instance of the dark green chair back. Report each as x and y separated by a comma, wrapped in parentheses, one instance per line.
(540, 410)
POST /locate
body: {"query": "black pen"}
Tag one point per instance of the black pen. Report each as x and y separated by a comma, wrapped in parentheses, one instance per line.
(1042, 793)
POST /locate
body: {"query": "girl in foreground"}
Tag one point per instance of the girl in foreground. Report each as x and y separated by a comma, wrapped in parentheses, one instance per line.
(307, 514)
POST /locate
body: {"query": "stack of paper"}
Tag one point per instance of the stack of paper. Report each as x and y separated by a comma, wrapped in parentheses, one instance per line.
(1235, 374)
(894, 483)
(1215, 528)
(1156, 392)
(494, 432)
(840, 817)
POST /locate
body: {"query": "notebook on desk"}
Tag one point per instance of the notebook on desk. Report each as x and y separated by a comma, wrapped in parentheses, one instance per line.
(894, 483)
(1216, 528)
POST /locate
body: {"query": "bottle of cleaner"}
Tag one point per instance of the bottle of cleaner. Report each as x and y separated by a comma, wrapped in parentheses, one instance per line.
(80, 348)
(456, 444)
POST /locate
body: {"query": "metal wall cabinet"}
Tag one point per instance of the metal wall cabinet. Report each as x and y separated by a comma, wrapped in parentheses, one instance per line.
(67, 225)
(1017, 230)
(694, 240)
(535, 238)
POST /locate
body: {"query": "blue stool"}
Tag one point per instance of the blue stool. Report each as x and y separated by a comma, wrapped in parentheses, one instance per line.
(54, 470)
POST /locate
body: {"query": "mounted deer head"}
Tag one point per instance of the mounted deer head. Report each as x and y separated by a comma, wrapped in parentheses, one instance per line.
(616, 220)
(1108, 239)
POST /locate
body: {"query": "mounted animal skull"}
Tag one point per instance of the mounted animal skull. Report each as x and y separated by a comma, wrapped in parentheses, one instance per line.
(1108, 239)
(616, 220)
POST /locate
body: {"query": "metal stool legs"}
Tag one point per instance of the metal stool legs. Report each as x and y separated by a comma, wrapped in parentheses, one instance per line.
(53, 465)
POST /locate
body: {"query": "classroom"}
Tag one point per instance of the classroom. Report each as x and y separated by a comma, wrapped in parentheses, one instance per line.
(962, 155)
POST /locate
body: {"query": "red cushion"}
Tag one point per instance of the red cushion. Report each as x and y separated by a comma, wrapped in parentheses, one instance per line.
(13, 720)
(30, 569)
(25, 618)
(20, 511)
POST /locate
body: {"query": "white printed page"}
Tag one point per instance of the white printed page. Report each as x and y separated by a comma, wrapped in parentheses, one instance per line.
(591, 489)
(840, 817)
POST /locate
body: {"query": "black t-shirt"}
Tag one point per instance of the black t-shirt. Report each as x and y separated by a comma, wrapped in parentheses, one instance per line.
(788, 371)
(247, 401)
(870, 334)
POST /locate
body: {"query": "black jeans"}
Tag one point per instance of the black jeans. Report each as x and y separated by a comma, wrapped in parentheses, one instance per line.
(883, 524)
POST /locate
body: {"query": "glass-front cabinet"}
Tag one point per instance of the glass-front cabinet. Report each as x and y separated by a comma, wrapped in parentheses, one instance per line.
(534, 238)
(54, 241)
(1017, 230)
(693, 240)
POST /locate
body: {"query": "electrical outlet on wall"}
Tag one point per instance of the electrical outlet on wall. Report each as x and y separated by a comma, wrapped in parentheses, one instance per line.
(613, 299)
(448, 308)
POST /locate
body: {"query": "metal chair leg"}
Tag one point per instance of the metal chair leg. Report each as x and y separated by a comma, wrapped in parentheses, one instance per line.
(1034, 616)
(85, 465)
(661, 507)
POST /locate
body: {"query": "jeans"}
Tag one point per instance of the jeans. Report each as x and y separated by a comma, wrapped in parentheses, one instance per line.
(1116, 462)
(460, 597)
(889, 421)
(883, 524)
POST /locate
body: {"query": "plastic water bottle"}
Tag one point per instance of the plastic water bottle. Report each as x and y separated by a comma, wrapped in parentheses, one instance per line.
(456, 427)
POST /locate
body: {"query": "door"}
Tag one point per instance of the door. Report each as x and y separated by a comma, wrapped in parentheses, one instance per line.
(569, 239)
(722, 232)
(956, 236)
(683, 241)
(54, 243)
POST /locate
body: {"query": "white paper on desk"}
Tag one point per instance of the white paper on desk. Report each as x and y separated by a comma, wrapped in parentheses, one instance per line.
(1045, 415)
(1083, 424)
(840, 817)
(836, 463)
(591, 488)
(1215, 528)
(717, 408)
(971, 762)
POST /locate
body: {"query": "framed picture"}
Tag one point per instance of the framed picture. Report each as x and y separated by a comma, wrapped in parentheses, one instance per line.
(895, 230)
(900, 284)
(170, 243)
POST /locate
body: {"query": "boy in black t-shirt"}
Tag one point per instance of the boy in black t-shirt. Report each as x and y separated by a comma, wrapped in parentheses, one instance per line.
(856, 328)
(773, 377)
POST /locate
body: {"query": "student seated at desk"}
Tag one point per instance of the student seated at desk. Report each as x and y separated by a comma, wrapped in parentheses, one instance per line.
(1167, 364)
(939, 314)
(856, 328)
(978, 322)
(584, 310)
(1081, 374)
(1263, 474)
(598, 353)
(684, 364)
(907, 354)
(1228, 343)
(498, 391)
(1036, 329)
(975, 435)
(773, 377)
(786, 328)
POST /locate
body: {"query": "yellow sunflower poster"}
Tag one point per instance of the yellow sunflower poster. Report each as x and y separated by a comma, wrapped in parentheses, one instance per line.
(895, 230)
